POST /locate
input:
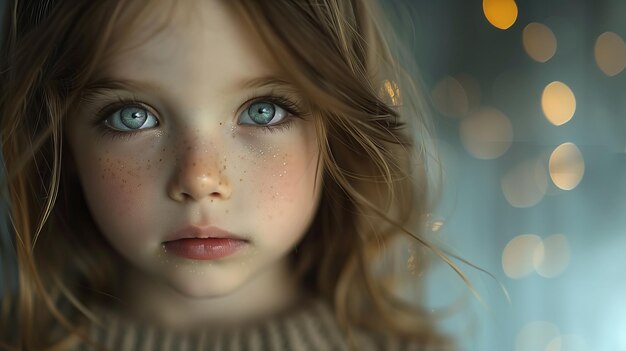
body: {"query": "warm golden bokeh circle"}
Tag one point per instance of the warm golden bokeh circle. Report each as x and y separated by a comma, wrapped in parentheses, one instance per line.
(450, 98)
(566, 166)
(558, 103)
(525, 184)
(555, 258)
(486, 133)
(519, 255)
(610, 53)
(501, 14)
(539, 42)
(389, 92)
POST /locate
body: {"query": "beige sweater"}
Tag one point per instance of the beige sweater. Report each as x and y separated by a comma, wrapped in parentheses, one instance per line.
(309, 327)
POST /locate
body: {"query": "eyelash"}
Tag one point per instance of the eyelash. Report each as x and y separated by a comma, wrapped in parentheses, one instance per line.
(293, 109)
(108, 110)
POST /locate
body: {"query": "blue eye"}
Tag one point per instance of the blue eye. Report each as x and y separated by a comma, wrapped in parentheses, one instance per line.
(262, 113)
(131, 118)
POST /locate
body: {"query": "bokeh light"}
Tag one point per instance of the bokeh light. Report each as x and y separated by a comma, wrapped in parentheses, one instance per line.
(486, 133)
(472, 89)
(519, 255)
(558, 103)
(539, 42)
(569, 342)
(566, 166)
(610, 53)
(500, 13)
(525, 184)
(450, 98)
(436, 225)
(555, 258)
(536, 336)
(390, 93)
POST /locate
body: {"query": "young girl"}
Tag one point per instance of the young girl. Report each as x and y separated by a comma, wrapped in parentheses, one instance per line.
(194, 175)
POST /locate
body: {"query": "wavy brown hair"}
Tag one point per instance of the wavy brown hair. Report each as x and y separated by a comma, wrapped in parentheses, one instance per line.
(372, 133)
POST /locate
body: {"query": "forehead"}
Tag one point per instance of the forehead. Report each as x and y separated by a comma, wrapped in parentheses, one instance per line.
(186, 41)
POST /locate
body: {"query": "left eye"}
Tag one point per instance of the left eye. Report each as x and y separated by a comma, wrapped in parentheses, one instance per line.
(262, 113)
(131, 118)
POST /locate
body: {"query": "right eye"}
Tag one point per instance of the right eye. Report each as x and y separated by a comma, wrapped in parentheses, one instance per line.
(131, 118)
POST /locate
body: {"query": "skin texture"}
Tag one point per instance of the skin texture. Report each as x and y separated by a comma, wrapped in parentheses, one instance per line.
(196, 163)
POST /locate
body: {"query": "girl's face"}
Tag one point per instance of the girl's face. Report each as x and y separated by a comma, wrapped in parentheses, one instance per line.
(199, 139)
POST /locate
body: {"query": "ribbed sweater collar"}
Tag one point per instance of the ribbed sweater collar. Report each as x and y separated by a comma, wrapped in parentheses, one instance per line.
(308, 327)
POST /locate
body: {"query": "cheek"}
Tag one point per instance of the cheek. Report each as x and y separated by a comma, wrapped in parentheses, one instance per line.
(118, 191)
(280, 184)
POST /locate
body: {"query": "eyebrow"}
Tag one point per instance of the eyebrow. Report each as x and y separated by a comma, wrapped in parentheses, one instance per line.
(119, 84)
(264, 81)
(110, 83)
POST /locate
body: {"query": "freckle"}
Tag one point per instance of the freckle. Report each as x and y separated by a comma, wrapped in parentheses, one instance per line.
(211, 200)
(163, 150)
(227, 211)
(220, 123)
(188, 148)
(194, 164)
(219, 183)
(240, 179)
(160, 159)
(224, 166)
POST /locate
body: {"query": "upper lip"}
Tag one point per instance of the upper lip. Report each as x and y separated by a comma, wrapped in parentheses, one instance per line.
(194, 232)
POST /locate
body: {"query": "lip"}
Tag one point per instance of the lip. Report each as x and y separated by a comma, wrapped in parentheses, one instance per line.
(208, 243)
(194, 232)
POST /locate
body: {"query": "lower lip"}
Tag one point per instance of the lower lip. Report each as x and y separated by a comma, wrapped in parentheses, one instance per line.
(204, 248)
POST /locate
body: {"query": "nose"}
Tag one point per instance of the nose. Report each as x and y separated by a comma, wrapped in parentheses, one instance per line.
(198, 176)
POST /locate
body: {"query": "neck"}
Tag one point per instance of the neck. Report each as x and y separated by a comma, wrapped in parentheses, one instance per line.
(271, 292)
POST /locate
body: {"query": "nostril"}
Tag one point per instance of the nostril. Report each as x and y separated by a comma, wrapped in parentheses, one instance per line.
(195, 180)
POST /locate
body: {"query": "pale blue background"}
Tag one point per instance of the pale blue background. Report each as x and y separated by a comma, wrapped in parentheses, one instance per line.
(589, 299)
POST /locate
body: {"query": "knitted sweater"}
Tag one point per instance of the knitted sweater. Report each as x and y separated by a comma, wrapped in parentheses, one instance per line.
(309, 327)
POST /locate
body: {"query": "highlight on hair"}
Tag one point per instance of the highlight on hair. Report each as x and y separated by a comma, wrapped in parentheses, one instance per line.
(371, 129)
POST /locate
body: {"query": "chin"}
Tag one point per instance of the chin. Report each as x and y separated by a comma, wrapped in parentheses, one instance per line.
(204, 287)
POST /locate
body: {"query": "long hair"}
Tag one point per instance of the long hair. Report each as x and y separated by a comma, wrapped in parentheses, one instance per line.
(371, 130)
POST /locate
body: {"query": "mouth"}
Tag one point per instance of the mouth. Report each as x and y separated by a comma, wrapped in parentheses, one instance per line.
(209, 243)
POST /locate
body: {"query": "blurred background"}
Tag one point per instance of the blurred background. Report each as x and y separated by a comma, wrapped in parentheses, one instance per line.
(529, 99)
